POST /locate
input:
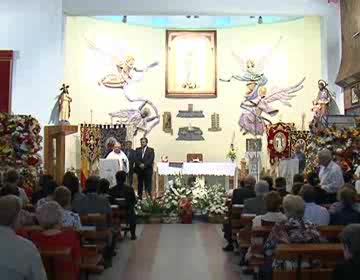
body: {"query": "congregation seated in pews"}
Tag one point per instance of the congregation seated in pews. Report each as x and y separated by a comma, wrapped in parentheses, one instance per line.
(64, 232)
(296, 235)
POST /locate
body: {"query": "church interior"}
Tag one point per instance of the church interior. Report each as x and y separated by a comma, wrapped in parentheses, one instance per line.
(180, 139)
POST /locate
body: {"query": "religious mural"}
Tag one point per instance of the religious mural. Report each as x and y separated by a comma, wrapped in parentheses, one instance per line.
(258, 98)
(191, 64)
(146, 116)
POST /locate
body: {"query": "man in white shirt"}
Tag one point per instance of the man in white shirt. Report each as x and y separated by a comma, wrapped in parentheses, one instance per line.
(19, 258)
(314, 213)
(331, 175)
(118, 154)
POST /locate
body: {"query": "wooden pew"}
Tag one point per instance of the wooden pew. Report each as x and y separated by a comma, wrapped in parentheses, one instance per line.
(49, 258)
(244, 234)
(327, 254)
(331, 233)
(236, 211)
(91, 257)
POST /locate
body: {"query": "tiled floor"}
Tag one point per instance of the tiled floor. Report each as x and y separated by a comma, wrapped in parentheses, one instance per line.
(172, 252)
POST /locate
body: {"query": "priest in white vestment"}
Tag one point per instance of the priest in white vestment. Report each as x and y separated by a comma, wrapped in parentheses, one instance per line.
(118, 154)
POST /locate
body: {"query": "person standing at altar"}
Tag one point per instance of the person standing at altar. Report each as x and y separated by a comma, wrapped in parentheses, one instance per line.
(118, 154)
(331, 175)
(130, 153)
(144, 161)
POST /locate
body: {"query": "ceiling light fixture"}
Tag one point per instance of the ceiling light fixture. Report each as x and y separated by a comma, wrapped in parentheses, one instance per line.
(260, 20)
(124, 19)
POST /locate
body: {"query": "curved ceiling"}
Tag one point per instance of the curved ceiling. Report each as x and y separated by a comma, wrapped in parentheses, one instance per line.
(197, 22)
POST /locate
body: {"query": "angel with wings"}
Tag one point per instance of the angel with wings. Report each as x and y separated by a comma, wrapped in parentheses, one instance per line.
(141, 118)
(125, 69)
(252, 119)
(257, 98)
(125, 74)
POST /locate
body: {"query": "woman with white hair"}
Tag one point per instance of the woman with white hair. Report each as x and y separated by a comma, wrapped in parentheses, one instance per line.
(294, 230)
(50, 218)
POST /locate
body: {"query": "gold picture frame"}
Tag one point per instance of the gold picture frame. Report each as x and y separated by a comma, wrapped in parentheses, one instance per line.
(191, 64)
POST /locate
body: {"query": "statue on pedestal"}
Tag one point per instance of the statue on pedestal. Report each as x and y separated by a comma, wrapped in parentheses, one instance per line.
(61, 110)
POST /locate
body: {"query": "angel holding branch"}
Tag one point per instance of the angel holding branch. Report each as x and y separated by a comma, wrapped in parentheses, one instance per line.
(258, 98)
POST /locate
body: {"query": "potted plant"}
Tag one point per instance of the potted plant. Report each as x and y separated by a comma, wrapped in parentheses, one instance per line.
(185, 210)
(152, 208)
(232, 153)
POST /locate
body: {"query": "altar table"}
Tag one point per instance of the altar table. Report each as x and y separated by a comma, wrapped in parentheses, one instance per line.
(227, 169)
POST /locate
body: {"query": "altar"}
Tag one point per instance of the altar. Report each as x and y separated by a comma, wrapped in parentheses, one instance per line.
(223, 169)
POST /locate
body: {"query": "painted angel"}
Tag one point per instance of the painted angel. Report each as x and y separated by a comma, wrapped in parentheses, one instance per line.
(252, 72)
(125, 72)
(141, 118)
(252, 120)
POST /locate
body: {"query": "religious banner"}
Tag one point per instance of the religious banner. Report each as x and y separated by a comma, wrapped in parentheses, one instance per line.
(278, 137)
(301, 137)
(109, 136)
(96, 142)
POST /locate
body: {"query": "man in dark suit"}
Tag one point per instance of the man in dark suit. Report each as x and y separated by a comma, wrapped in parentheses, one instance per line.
(256, 205)
(121, 190)
(144, 161)
(245, 191)
(130, 153)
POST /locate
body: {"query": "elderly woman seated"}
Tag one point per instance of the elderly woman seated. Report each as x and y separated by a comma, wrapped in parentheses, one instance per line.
(345, 213)
(25, 218)
(350, 238)
(273, 202)
(50, 216)
(63, 197)
(294, 230)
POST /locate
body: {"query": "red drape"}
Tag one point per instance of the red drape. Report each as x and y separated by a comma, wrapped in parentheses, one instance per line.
(6, 62)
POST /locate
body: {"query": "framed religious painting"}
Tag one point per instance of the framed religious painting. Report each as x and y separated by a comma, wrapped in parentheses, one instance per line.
(191, 68)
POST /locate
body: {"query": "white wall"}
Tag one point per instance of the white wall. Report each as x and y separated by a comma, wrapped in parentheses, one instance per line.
(34, 30)
(298, 56)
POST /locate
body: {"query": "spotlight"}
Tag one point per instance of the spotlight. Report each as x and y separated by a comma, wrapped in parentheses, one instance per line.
(124, 19)
(188, 16)
(196, 16)
(260, 20)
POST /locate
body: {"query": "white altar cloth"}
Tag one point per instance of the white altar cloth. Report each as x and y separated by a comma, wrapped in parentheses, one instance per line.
(227, 169)
(199, 168)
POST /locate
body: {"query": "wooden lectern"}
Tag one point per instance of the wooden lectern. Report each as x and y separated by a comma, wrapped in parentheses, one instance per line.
(54, 153)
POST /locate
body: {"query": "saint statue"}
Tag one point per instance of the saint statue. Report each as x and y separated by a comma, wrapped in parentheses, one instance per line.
(61, 110)
(64, 104)
(323, 99)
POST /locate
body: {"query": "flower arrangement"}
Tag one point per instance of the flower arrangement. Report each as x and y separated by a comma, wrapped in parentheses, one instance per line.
(149, 206)
(20, 142)
(344, 143)
(217, 198)
(182, 198)
(200, 195)
(232, 153)
(175, 191)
